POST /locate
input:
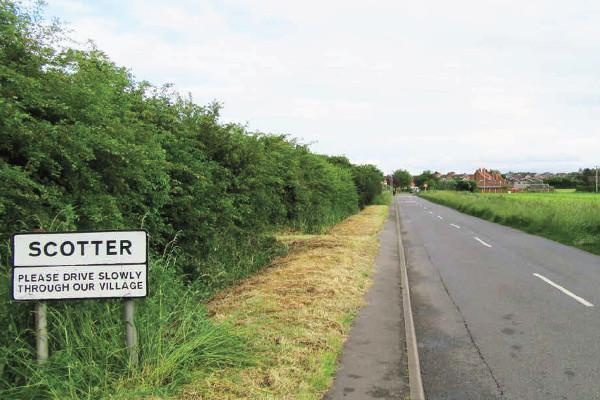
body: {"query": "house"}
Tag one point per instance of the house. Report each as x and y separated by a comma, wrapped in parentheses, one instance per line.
(530, 185)
(519, 182)
(463, 177)
(490, 181)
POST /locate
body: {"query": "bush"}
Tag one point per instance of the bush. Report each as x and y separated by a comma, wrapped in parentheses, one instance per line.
(466, 185)
(81, 136)
(83, 145)
(368, 179)
(383, 199)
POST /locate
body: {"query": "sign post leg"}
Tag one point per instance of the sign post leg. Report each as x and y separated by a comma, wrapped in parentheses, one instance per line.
(41, 332)
(131, 337)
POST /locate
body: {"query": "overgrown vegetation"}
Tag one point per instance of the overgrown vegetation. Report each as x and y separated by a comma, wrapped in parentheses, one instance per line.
(570, 218)
(384, 198)
(297, 313)
(583, 180)
(88, 360)
(83, 145)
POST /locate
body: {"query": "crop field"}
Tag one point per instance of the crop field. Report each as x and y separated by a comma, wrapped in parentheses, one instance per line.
(567, 217)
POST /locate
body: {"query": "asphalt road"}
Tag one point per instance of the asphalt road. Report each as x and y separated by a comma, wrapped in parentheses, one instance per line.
(500, 314)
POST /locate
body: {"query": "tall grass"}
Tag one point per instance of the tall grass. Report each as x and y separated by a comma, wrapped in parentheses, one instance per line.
(88, 359)
(383, 199)
(570, 218)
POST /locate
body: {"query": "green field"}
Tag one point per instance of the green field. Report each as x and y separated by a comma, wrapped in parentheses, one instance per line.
(567, 217)
(565, 190)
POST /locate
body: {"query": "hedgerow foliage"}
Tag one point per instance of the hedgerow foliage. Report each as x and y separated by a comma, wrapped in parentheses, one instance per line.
(82, 140)
(85, 146)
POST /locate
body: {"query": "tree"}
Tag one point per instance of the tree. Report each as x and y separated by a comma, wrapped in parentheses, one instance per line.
(426, 178)
(586, 180)
(562, 182)
(447, 184)
(402, 179)
(466, 185)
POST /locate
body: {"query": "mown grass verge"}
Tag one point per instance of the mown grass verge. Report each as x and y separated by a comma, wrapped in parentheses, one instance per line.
(296, 314)
(569, 218)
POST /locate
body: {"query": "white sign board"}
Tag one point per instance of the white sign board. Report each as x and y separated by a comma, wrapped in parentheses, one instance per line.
(79, 265)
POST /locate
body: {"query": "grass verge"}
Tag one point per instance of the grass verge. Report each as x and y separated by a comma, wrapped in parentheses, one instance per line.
(295, 315)
(569, 218)
(384, 198)
(87, 355)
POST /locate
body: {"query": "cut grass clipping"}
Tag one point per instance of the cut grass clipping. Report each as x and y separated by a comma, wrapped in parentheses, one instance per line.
(296, 314)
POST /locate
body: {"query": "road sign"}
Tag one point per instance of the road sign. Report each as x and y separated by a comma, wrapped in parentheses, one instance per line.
(79, 265)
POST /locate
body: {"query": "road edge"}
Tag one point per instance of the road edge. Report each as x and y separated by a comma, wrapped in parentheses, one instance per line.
(414, 367)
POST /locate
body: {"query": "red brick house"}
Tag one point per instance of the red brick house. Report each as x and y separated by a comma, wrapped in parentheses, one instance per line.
(490, 182)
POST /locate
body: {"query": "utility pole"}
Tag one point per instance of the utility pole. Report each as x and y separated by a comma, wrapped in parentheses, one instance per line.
(596, 179)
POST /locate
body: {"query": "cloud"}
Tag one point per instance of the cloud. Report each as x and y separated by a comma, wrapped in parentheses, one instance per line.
(418, 85)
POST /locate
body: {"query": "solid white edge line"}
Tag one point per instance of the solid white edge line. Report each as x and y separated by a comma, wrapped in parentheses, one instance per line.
(565, 291)
(456, 226)
(415, 381)
(482, 242)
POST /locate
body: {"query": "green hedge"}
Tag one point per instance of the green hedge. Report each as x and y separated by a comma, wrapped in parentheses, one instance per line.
(83, 145)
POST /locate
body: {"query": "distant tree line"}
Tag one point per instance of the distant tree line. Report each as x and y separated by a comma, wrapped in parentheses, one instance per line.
(402, 180)
(583, 180)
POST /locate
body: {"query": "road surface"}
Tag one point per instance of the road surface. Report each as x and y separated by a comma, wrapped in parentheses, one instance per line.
(500, 314)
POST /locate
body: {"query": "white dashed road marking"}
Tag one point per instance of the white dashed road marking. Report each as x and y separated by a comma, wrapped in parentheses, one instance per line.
(565, 291)
(482, 242)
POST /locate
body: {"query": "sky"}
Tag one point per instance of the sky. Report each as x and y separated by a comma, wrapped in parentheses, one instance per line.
(440, 85)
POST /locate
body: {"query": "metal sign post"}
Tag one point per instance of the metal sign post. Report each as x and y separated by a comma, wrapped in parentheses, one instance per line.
(80, 265)
(131, 337)
(41, 332)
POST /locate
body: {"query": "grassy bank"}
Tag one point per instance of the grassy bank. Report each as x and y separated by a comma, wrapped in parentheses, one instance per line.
(87, 355)
(296, 314)
(569, 218)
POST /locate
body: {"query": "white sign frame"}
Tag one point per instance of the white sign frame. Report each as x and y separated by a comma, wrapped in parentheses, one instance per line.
(123, 255)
